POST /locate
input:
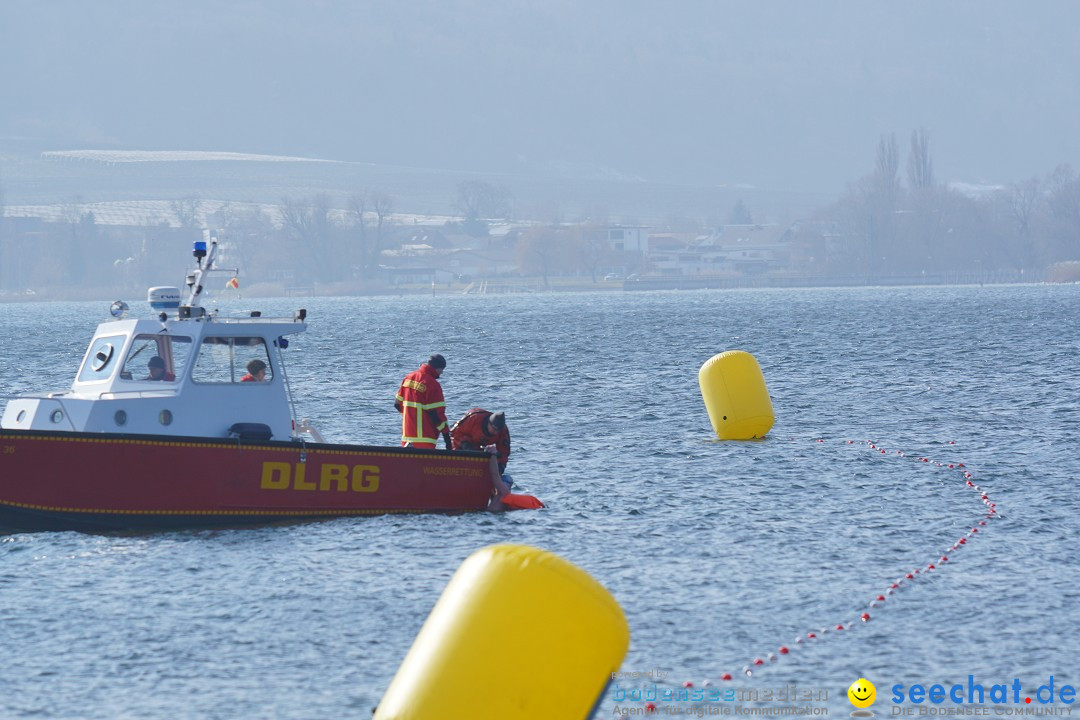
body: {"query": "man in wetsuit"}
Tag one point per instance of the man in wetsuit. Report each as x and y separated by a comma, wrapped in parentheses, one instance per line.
(479, 429)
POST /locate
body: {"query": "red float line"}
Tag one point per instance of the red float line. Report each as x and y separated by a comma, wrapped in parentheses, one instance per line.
(901, 583)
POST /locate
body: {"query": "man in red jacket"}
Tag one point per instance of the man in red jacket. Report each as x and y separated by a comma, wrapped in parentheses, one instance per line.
(479, 429)
(422, 406)
(156, 368)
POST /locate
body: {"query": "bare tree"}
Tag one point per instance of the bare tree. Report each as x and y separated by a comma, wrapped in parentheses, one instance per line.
(922, 243)
(540, 251)
(383, 205)
(1024, 200)
(549, 211)
(246, 229)
(854, 216)
(881, 204)
(920, 168)
(740, 214)
(82, 229)
(357, 214)
(887, 167)
(1063, 203)
(310, 224)
(188, 211)
(598, 213)
(71, 209)
(478, 200)
(591, 242)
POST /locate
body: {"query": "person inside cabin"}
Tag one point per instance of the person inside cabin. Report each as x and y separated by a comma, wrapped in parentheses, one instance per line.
(256, 371)
(157, 370)
(422, 406)
(480, 429)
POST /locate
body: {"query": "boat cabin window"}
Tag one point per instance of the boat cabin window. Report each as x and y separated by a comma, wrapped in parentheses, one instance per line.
(232, 360)
(102, 358)
(156, 357)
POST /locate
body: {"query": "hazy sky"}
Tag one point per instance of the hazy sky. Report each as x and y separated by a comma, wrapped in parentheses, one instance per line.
(780, 95)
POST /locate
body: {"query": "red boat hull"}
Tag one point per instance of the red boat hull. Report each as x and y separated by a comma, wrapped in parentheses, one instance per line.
(101, 482)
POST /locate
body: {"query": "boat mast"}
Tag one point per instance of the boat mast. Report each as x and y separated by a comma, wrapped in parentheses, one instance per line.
(195, 279)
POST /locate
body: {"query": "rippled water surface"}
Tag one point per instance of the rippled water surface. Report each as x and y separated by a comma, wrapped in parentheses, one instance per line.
(717, 552)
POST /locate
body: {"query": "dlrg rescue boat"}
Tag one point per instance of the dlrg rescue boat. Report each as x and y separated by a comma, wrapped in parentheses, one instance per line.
(168, 423)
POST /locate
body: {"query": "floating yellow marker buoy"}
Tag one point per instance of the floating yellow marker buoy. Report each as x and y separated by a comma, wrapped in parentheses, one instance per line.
(518, 634)
(735, 396)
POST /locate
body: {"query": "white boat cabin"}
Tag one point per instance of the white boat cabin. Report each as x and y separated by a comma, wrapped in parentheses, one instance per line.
(186, 377)
(187, 372)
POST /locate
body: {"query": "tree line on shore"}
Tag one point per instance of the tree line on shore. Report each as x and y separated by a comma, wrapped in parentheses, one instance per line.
(897, 220)
(881, 225)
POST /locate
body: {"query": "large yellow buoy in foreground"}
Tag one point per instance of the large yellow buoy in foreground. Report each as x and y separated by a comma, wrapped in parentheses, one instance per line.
(735, 396)
(519, 633)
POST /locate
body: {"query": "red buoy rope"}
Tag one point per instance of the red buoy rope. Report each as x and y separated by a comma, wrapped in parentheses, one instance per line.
(934, 563)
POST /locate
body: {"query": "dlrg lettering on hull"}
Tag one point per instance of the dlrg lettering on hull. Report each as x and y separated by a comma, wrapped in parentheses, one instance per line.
(342, 478)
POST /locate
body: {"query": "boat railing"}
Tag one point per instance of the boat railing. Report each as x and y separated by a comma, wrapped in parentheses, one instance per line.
(118, 394)
(304, 427)
(238, 319)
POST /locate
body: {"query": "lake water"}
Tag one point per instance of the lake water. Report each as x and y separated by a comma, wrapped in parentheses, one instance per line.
(718, 552)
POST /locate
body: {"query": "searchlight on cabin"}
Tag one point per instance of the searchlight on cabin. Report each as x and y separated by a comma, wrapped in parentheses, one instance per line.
(118, 309)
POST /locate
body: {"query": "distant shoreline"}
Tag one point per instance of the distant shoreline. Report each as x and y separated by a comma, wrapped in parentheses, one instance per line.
(535, 286)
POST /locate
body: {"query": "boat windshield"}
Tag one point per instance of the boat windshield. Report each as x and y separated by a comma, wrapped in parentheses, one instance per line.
(232, 360)
(156, 357)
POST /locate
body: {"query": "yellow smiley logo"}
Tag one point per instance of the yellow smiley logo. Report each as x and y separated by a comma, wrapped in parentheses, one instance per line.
(862, 693)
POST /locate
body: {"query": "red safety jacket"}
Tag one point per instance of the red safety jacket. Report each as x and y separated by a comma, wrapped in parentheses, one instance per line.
(469, 433)
(423, 408)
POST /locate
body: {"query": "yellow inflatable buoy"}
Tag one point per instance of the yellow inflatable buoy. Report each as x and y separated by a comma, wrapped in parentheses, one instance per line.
(518, 634)
(735, 396)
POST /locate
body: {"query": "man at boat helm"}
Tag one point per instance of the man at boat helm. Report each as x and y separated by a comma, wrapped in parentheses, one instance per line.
(480, 429)
(422, 406)
(156, 367)
(256, 371)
